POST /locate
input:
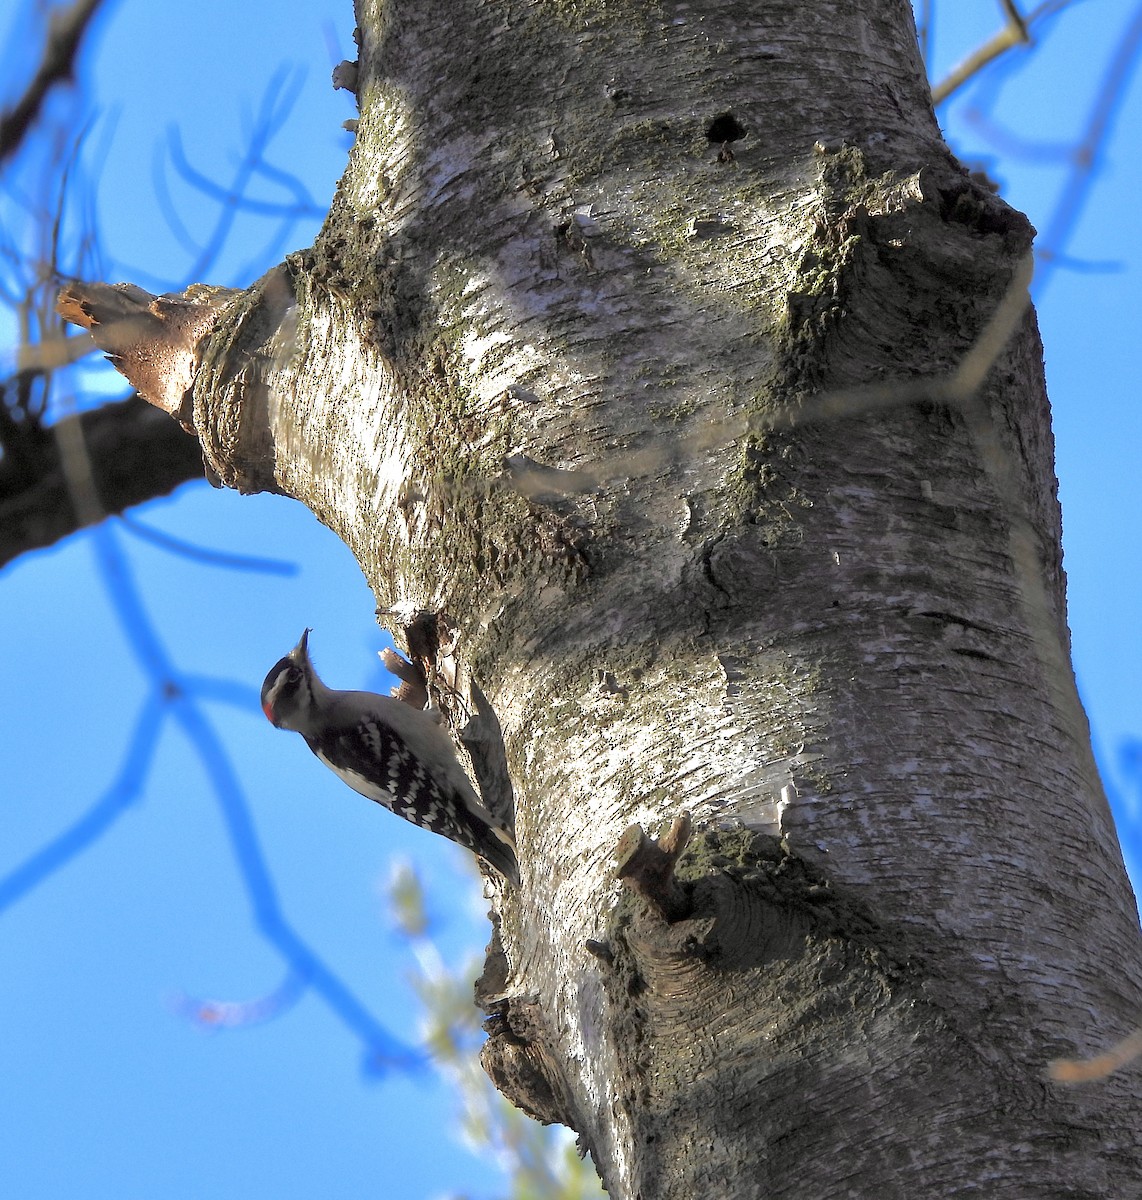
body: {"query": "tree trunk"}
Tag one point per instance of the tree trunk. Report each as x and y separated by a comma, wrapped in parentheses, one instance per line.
(588, 368)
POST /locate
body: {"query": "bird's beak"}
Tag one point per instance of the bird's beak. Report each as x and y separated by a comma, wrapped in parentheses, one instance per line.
(300, 652)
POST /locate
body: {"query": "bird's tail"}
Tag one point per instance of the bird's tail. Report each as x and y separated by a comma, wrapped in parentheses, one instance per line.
(499, 852)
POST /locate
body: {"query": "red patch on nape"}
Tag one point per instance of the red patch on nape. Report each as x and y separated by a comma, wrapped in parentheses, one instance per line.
(268, 709)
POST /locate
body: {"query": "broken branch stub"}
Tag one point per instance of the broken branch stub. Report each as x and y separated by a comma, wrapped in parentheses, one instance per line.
(152, 340)
(646, 866)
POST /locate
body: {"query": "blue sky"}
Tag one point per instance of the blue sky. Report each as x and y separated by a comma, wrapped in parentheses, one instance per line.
(108, 1089)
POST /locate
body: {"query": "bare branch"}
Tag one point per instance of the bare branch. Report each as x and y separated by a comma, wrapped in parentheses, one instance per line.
(66, 28)
(280, 96)
(303, 204)
(1087, 154)
(1016, 32)
(136, 453)
(252, 563)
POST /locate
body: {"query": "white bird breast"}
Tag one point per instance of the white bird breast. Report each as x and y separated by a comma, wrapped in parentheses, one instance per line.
(360, 783)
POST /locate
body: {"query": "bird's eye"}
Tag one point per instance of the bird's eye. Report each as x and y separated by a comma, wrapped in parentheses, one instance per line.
(293, 674)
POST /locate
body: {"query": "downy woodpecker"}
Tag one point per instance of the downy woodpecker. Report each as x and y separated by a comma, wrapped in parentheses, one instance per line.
(389, 751)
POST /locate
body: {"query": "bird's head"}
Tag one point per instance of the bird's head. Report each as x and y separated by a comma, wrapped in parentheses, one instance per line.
(288, 690)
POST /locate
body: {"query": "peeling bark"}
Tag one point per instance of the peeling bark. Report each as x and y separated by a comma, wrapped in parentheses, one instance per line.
(542, 372)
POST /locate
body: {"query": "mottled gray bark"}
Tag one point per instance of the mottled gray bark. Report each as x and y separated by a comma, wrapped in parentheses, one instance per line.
(130, 451)
(542, 371)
